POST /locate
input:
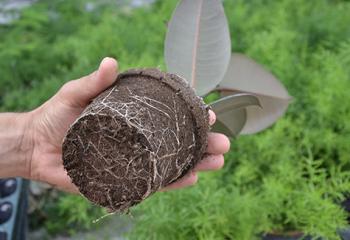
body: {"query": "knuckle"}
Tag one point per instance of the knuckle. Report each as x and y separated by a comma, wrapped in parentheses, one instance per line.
(66, 88)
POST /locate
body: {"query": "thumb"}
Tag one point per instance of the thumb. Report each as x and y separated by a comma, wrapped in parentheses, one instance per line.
(78, 93)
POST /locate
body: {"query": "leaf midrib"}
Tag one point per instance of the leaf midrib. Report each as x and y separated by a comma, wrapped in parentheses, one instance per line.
(195, 48)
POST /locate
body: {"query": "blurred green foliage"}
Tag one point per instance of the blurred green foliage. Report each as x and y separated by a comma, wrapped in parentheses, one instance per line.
(290, 177)
(72, 213)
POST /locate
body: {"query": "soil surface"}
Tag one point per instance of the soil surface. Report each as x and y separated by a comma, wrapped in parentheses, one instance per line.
(140, 135)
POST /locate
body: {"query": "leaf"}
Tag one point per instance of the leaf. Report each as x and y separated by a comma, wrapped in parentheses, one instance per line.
(231, 123)
(198, 44)
(231, 114)
(246, 76)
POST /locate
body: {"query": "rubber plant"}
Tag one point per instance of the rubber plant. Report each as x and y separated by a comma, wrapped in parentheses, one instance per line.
(150, 128)
(198, 47)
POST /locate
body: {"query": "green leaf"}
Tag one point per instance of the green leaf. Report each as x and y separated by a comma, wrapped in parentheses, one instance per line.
(198, 44)
(244, 75)
(231, 113)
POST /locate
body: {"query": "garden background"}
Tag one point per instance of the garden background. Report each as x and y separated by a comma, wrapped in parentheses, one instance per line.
(293, 176)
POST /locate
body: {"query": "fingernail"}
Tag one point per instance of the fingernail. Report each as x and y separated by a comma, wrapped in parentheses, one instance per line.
(211, 121)
(110, 68)
(99, 67)
(104, 60)
(212, 117)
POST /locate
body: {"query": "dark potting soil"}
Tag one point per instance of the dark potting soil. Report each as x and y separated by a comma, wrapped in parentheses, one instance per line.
(145, 132)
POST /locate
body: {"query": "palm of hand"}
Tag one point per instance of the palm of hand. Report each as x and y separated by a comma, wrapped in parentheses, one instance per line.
(51, 124)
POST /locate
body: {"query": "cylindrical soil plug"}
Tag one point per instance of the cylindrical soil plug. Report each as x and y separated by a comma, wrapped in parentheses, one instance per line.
(143, 133)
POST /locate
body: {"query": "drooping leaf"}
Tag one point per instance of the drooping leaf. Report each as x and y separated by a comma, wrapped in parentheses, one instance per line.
(231, 123)
(198, 44)
(246, 76)
(231, 113)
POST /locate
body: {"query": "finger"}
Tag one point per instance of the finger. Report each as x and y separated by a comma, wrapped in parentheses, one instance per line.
(78, 93)
(68, 188)
(188, 180)
(212, 117)
(59, 179)
(210, 163)
(218, 143)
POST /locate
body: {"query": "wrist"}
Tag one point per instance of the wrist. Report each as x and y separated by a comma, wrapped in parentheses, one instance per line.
(16, 145)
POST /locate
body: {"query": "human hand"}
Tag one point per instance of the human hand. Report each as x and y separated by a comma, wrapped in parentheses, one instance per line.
(50, 122)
